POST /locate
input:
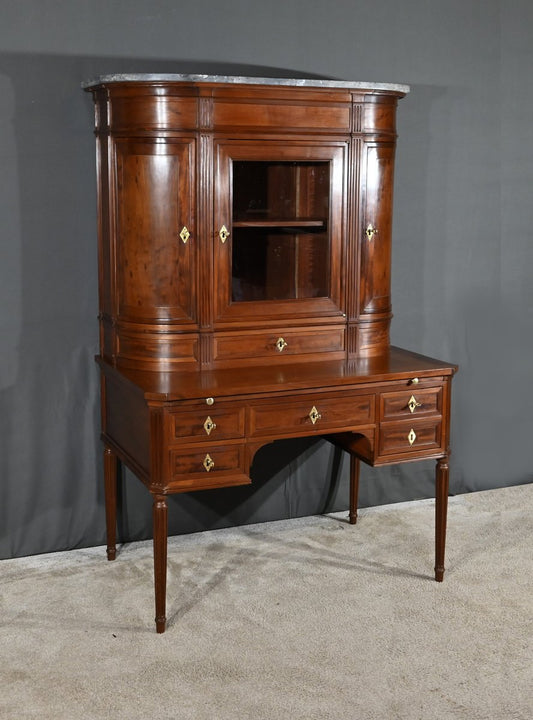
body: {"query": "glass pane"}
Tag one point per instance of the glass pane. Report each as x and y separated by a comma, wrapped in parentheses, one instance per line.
(280, 230)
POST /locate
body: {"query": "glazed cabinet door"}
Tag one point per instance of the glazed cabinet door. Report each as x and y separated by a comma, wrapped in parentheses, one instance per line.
(155, 230)
(279, 230)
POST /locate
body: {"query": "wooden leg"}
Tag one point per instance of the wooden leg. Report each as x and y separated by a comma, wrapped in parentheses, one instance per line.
(441, 511)
(160, 523)
(111, 480)
(354, 487)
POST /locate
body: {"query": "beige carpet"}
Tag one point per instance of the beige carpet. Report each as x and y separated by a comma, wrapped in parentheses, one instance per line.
(307, 619)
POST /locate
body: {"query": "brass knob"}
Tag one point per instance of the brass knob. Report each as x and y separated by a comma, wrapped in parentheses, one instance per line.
(281, 344)
(210, 401)
(209, 425)
(223, 233)
(208, 463)
(314, 415)
(371, 231)
(413, 404)
(414, 381)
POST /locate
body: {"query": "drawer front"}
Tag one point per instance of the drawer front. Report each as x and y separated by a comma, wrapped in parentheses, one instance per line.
(273, 115)
(409, 437)
(211, 466)
(305, 415)
(207, 423)
(154, 111)
(208, 460)
(379, 116)
(257, 346)
(150, 350)
(411, 403)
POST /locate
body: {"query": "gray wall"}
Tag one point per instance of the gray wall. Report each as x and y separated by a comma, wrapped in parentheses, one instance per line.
(462, 261)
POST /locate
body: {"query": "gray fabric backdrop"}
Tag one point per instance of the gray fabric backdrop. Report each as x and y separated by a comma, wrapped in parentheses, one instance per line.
(462, 259)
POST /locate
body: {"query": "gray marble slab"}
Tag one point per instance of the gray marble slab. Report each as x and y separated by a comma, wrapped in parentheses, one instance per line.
(237, 80)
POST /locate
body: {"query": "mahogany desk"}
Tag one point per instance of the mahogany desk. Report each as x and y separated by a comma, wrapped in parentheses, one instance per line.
(190, 431)
(244, 246)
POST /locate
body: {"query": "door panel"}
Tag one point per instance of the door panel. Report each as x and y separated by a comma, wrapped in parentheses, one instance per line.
(378, 167)
(156, 241)
(280, 207)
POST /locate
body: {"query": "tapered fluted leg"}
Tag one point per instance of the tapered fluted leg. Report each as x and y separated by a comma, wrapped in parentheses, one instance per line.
(354, 487)
(441, 512)
(111, 480)
(160, 513)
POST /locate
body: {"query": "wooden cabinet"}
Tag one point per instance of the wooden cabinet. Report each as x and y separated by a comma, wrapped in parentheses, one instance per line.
(245, 231)
(236, 208)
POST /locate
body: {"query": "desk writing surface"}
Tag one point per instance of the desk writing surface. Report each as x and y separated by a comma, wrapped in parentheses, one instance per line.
(173, 385)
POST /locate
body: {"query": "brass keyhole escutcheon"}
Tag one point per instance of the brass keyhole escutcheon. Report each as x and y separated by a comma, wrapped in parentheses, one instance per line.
(185, 234)
(371, 231)
(209, 425)
(223, 233)
(208, 463)
(411, 437)
(314, 415)
(281, 344)
(413, 404)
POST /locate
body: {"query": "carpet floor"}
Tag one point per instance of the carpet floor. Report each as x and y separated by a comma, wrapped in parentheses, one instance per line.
(303, 619)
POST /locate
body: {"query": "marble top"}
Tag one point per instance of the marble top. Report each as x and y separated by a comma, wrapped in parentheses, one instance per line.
(238, 80)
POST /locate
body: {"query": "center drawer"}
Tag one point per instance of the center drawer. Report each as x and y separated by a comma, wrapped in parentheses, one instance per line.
(305, 414)
(256, 346)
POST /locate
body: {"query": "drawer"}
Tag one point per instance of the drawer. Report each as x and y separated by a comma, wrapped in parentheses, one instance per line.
(152, 350)
(276, 346)
(378, 116)
(411, 403)
(273, 115)
(409, 437)
(195, 468)
(304, 415)
(200, 424)
(154, 111)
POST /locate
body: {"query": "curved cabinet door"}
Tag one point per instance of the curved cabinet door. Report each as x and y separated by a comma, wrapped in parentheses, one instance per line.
(155, 231)
(375, 232)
